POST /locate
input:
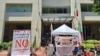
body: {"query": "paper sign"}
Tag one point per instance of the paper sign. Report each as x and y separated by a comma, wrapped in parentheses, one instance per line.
(21, 43)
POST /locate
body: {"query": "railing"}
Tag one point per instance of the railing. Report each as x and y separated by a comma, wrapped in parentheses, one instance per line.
(19, 14)
(56, 15)
(90, 16)
(87, 1)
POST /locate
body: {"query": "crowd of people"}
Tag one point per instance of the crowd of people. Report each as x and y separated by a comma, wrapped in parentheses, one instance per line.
(49, 50)
(81, 51)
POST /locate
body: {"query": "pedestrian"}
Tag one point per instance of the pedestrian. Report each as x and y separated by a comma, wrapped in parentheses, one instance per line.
(86, 52)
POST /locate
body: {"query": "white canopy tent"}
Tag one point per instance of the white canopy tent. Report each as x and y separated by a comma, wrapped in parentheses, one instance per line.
(65, 30)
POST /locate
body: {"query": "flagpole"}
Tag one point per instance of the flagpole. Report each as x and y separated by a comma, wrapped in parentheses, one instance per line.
(51, 32)
(51, 37)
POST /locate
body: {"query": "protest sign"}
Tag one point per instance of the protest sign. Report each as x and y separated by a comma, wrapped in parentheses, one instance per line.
(21, 43)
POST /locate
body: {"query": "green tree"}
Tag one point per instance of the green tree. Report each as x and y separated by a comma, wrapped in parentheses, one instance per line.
(96, 6)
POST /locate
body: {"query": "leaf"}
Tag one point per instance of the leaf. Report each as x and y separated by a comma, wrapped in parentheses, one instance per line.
(96, 7)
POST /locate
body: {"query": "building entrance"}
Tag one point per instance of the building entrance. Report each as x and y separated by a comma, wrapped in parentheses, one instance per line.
(9, 27)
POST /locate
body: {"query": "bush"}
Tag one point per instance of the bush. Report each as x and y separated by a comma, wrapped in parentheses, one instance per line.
(91, 41)
(1, 46)
(9, 43)
(97, 42)
(87, 45)
(5, 45)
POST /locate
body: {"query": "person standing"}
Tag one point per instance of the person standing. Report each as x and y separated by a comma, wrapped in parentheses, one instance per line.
(41, 51)
(50, 49)
(86, 52)
(76, 49)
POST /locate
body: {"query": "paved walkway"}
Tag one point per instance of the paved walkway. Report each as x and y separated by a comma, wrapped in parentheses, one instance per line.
(3, 53)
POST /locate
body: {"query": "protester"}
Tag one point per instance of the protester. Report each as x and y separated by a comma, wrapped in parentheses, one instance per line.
(97, 48)
(50, 49)
(86, 52)
(92, 53)
(76, 49)
(41, 51)
(33, 50)
(81, 50)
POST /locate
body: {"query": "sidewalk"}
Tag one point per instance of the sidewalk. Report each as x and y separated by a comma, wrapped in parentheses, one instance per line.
(3, 53)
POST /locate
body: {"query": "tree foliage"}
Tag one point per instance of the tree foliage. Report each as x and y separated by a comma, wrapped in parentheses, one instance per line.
(96, 6)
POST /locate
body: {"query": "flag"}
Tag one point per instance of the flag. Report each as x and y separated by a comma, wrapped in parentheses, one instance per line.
(37, 38)
(76, 10)
(34, 43)
(78, 21)
(51, 29)
(79, 27)
(75, 20)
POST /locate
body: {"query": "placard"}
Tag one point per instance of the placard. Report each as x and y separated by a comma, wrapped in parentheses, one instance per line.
(64, 41)
(64, 45)
(21, 43)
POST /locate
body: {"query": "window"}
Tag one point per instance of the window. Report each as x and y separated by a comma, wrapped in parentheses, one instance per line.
(87, 31)
(86, 7)
(45, 10)
(60, 10)
(19, 8)
(52, 10)
(55, 10)
(65, 10)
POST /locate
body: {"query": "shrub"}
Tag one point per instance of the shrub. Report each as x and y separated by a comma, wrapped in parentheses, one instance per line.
(97, 42)
(9, 43)
(5, 45)
(1, 47)
(87, 45)
(91, 41)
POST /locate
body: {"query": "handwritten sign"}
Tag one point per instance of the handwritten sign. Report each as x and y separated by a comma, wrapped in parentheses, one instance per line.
(21, 43)
(66, 41)
(64, 45)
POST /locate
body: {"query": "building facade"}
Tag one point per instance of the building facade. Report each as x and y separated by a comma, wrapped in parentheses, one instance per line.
(37, 15)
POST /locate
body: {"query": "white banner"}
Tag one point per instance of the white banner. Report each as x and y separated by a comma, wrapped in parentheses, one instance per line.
(64, 41)
(64, 45)
(21, 43)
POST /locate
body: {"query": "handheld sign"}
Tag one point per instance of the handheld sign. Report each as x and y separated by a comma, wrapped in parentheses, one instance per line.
(21, 43)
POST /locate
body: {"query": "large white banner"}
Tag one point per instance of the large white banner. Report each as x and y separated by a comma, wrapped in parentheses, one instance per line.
(21, 43)
(64, 45)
